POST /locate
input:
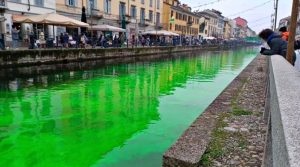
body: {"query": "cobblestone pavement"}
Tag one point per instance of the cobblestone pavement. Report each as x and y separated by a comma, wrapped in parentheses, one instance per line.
(244, 128)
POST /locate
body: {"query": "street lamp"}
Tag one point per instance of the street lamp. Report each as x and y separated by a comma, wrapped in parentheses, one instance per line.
(91, 14)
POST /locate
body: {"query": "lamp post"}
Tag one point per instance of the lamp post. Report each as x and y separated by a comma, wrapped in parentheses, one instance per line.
(276, 11)
(91, 14)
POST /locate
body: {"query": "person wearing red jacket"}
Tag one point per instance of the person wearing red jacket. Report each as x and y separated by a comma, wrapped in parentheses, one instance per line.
(284, 33)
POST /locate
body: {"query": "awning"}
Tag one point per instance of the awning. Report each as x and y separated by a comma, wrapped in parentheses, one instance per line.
(209, 38)
(106, 28)
(160, 32)
(50, 19)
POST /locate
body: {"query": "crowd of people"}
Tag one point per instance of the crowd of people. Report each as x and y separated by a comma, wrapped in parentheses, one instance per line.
(34, 39)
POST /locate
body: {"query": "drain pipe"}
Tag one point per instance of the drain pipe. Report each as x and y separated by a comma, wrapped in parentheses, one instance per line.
(28, 5)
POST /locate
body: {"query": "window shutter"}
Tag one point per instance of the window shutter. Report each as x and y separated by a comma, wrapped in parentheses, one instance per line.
(109, 6)
(105, 7)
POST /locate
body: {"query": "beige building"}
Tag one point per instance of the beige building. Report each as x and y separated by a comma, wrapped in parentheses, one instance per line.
(139, 15)
(228, 27)
(213, 22)
(203, 27)
(184, 21)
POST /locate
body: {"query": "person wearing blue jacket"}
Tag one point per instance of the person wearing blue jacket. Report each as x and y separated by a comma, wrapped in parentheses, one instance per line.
(277, 45)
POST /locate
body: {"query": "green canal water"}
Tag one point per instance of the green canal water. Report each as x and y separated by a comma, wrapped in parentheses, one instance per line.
(113, 116)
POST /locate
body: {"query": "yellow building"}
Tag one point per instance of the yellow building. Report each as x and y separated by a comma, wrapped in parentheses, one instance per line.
(139, 15)
(180, 19)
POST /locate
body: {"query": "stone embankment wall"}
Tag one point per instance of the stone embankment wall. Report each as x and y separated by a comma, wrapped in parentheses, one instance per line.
(13, 58)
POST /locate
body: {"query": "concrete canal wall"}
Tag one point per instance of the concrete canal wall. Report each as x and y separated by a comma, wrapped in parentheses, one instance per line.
(284, 125)
(13, 58)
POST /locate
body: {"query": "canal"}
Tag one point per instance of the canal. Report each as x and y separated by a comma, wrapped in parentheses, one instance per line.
(111, 115)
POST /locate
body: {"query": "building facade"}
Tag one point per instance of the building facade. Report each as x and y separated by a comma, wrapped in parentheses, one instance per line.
(250, 32)
(138, 15)
(180, 19)
(241, 27)
(221, 23)
(213, 22)
(203, 26)
(228, 28)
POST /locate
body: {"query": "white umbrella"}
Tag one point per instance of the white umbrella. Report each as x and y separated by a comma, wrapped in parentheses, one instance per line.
(106, 28)
(209, 38)
(50, 19)
(160, 32)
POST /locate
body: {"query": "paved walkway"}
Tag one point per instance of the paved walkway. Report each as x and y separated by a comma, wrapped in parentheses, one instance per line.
(242, 132)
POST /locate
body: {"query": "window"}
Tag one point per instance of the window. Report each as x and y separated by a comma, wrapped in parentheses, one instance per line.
(142, 15)
(107, 6)
(39, 2)
(93, 4)
(151, 16)
(142, 1)
(2, 2)
(151, 3)
(122, 9)
(157, 18)
(71, 2)
(133, 11)
(157, 4)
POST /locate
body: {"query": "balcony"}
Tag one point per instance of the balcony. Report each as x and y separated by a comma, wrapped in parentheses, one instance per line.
(148, 22)
(144, 23)
(126, 18)
(96, 14)
(158, 26)
(189, 23)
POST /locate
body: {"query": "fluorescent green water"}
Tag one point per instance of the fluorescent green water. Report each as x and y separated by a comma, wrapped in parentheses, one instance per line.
(125, 115)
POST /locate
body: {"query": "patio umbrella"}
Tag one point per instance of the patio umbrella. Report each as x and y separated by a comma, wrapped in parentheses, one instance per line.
(51, 19)
(105, 27)
(160, 32)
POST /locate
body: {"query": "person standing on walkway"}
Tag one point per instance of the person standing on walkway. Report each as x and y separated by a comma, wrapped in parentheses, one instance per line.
(15, 37)
(277, 45)
(66, 40)
(42, 40)
(31, 40)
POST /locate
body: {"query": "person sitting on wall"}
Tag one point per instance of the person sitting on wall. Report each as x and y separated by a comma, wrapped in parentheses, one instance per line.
(277, 45)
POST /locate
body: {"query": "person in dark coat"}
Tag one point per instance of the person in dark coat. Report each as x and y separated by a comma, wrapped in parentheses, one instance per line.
(31, 40)
(277, 45)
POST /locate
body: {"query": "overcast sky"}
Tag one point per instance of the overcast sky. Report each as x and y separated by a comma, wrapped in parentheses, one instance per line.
(258, 18)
